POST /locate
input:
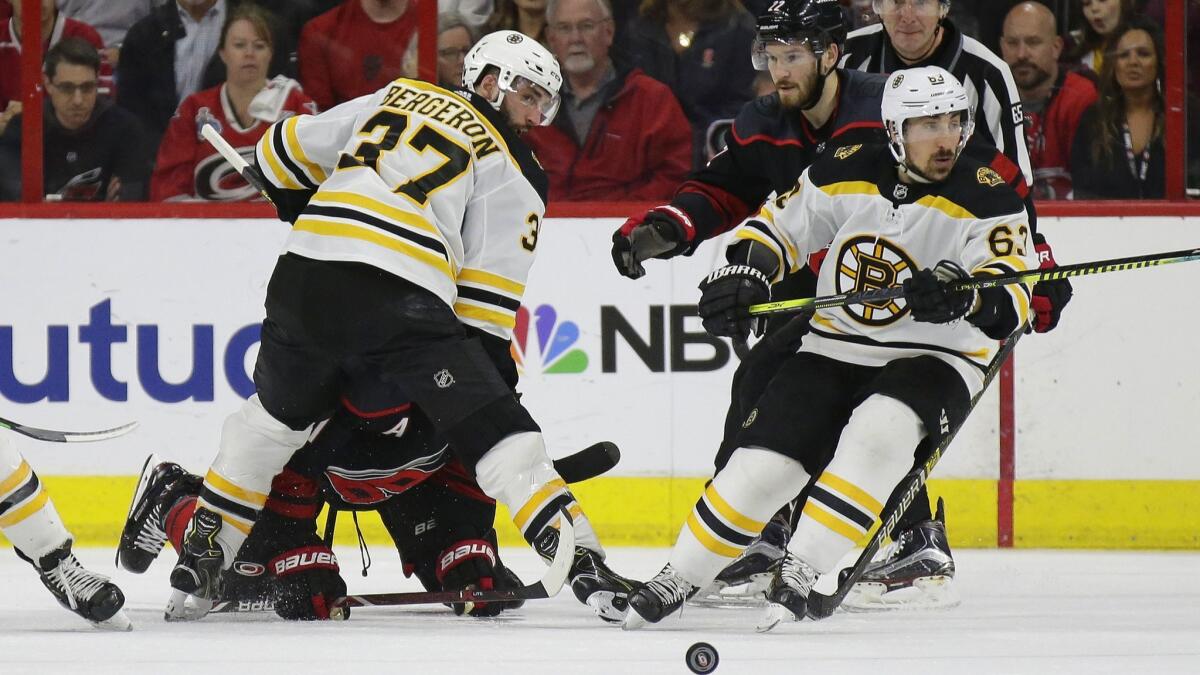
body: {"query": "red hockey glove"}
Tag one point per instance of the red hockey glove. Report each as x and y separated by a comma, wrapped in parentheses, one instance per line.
(306, 583)
(663, 232)
(1049, 297)
(472, 564)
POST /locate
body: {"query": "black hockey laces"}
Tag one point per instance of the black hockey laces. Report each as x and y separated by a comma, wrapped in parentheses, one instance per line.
(364, 554)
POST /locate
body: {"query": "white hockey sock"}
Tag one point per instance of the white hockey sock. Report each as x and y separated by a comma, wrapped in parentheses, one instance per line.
(873, 454)
(254, 448)
(27, 516)
(733, 510)
(518, 473)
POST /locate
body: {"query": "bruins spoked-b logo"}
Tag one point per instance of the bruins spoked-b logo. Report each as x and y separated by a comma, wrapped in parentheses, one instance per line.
(866, 263)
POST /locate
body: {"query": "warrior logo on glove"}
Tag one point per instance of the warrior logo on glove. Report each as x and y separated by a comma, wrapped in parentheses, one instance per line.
(868, 263)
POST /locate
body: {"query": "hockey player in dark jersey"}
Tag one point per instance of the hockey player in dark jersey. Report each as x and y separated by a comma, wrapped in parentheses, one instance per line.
(362, 459)
(871, 382)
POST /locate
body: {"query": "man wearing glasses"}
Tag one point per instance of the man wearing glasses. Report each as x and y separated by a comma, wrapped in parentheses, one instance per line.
(619, 131)
(93, 150)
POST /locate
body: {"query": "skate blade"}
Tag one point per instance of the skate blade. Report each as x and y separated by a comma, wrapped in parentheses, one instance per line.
(753, 593)
(935, 592)
(143, 480)
(180, 609)
(117, 622)
(633, 621)
(773, 616)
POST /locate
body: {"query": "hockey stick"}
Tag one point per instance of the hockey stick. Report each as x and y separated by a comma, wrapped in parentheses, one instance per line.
(67, 436)
(821, 606)
(248, 173)
(589, 462)
(883, 295)
(549, 585)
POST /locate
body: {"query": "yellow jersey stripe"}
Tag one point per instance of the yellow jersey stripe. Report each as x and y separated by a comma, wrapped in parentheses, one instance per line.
(373, 236)
(230, 489)
(850, 187)
(945, 206)
(473, 276)
(575, 511)
(16, 478)
(831, 521)
(852, 491)
(466, 311)
(386, 210)
(31, 507)
(537, 500)
(282, 176)
(292, 143)
(729, 513)
(708, 541)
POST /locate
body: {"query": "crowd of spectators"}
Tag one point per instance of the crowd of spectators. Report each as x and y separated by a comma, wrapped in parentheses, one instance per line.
(647, 83)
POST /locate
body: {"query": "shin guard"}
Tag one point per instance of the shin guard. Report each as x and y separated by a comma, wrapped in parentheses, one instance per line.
(733, 510)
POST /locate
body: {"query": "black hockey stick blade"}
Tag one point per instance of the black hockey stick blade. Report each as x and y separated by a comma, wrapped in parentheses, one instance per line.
(820, 605)
(883, 295)
(249, 173)
(67, 436)
(588, 462)
(549, 585)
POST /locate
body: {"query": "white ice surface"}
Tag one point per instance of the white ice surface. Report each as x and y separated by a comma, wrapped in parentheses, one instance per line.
(1022, 612)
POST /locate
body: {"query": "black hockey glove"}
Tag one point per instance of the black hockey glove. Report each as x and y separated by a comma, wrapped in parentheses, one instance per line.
(1049, 297)
(289, 204)
(663, 232)
(725, 299)
(929, 296)
(473, 564)
(306, 584)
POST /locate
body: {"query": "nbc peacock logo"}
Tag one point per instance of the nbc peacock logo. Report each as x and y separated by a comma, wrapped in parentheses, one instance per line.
(554, 342)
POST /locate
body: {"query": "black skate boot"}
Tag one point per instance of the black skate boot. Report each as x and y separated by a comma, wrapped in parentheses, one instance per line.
(86, 593)
(162, 484)
(788, 593)
(198, 573)
(598, 587)
(917, 570)
(745, 580)
(657, 598)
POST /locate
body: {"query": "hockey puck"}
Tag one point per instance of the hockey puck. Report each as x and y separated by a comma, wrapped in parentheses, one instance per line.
(702, 658)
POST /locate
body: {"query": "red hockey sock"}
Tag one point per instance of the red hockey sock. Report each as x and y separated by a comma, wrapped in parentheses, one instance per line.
(178, 518)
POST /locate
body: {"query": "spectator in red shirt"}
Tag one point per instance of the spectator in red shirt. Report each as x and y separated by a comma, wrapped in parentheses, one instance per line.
(356, 48)
(1053, 99)
(241, 109)
(618, 133)
(54, 28)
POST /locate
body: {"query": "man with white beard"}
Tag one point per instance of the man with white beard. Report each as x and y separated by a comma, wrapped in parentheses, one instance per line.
(618, 131)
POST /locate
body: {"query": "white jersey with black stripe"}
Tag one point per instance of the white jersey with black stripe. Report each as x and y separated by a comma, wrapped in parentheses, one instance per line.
(999, 118)
(879, 232)
(421, 182)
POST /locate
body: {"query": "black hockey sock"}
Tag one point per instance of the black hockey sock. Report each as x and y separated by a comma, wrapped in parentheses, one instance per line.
(917, 512)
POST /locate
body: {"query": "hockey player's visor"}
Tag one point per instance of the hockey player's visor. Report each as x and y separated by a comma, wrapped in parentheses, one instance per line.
(786, 52)
(532, 95)
(918, 7)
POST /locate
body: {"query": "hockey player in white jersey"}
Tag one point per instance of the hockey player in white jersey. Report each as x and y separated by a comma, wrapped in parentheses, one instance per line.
(416, 210)
(30, 521)
(870, 383)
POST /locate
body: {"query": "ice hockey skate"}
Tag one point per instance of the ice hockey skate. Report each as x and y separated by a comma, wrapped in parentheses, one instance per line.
(598, 587)
(145, 532)
(662, 595)
(197, 575)
(916, 571)
(787, 596)
(744, 582)
(82, 591)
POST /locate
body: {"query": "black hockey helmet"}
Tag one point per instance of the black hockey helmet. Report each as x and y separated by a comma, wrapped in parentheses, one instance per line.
(819, 23)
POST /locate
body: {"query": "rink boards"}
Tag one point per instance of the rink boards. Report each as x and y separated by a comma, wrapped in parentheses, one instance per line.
(103, 322)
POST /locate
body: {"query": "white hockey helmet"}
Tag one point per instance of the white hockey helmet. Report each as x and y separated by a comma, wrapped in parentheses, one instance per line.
(923, 92)
(515, 56)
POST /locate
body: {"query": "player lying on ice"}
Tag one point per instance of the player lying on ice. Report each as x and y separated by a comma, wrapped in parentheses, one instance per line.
(868, 383)
(30, 521)
(387, 461)
(416, 212)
